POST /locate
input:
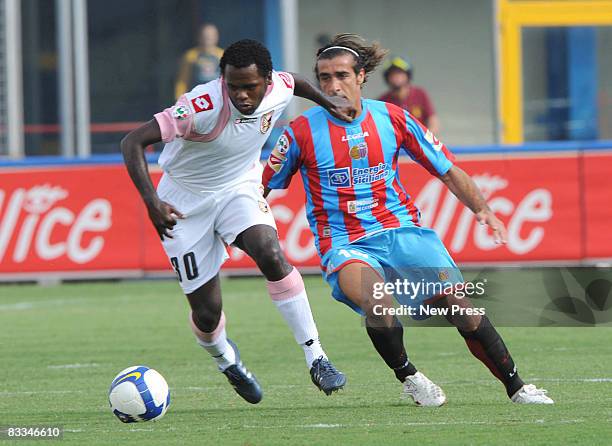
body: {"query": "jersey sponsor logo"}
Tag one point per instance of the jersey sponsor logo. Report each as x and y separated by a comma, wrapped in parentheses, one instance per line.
(244, 120)
(361, 205)
(346, 138)
(435, 142)
(339, 177)
(287, 79)
(266, 122)
(359, 151)
(370, 174)
(345, 177)
(202, 103)
(180, 112)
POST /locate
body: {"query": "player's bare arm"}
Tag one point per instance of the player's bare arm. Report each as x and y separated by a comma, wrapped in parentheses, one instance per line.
(162, 215)
(337, 106)
(464, 188)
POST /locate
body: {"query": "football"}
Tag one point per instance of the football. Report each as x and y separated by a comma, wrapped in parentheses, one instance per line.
(139, 394)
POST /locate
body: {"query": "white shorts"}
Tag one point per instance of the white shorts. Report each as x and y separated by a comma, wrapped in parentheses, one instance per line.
(212, 221)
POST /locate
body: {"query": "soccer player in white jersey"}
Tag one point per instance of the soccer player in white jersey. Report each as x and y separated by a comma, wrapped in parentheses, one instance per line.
(210, 196)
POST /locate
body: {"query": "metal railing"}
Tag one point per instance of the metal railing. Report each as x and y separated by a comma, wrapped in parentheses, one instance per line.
(3, 83)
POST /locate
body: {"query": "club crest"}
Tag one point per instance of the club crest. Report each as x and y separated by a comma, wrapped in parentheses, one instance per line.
(266, 122)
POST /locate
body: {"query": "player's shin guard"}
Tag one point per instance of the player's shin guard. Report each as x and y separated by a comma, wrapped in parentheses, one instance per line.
(486, 344)
(215, 342)
(289, 296)
(389, 343)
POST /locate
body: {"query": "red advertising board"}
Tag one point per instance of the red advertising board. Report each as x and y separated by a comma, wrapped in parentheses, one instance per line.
(90, 218)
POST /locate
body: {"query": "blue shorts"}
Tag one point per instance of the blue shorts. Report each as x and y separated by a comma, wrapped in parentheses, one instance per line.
(411, 254)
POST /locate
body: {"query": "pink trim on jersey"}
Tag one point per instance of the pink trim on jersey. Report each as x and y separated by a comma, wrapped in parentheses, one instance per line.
(172, 127)
(222, 121)
(204, 336)
(270, 88)
(286, 288)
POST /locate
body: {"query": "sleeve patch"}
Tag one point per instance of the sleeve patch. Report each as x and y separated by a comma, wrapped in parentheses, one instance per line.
(202, 103)
(435, 142)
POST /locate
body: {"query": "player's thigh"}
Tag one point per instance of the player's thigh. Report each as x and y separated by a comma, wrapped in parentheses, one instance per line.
(364, 286)
(196, 252)
(240, 209)
(354, 275)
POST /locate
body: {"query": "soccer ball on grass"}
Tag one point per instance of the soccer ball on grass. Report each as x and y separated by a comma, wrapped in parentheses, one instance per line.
(139, 394)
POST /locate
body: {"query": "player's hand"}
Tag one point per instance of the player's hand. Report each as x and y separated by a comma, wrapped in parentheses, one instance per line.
(341, 108)
(163, 216)
(487, 217)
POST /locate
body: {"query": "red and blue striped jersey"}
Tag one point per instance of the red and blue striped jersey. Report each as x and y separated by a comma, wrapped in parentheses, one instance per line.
(350, 170)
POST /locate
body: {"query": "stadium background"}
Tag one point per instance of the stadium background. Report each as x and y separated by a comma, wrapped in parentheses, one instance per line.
(524, 94)
(523, 90)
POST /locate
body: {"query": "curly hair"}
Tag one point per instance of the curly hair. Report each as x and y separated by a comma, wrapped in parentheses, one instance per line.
(367, 56)
(247, 52)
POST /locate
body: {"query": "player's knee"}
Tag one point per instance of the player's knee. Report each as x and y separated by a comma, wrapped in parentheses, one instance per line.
(206, 319)
(380, 320)
(271, 260)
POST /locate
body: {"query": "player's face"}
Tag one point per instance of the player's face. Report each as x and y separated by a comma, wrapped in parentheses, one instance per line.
(337, 78)
(246, 87)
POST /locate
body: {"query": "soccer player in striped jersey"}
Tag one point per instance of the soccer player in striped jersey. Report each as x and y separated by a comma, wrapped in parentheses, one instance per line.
(367, 228)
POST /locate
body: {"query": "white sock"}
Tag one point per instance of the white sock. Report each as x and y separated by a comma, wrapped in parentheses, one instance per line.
(290, 298)
(216, 343)
(297, 314)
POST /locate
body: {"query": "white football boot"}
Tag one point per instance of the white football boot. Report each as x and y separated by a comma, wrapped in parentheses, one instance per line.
(530, 394)
(423, 391)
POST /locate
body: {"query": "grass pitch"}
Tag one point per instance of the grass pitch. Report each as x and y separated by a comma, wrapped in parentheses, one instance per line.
(61, 346)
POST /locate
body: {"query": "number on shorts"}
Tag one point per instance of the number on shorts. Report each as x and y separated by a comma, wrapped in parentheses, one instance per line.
(177, 270)
(191, 267)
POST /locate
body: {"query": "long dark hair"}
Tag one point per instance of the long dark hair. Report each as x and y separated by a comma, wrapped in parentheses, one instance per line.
(367, 55)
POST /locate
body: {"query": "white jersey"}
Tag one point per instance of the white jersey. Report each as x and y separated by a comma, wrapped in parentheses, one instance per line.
(210, 145)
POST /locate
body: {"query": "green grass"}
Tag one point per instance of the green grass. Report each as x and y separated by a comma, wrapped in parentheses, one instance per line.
(109, 326)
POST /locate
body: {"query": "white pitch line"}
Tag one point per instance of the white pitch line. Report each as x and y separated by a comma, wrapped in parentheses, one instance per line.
(73, 366)
(38, 304)
(408, 423)
(580, 380)
(40, 392)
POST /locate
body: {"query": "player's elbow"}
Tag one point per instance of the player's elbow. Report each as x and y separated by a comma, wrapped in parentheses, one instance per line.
(129, 144)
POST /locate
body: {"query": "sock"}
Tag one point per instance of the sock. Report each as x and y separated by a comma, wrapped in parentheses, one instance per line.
(289, 296)
(389, 343)
(486, 344)
(215, 343)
